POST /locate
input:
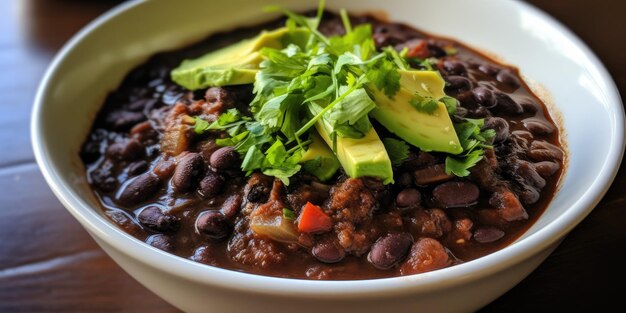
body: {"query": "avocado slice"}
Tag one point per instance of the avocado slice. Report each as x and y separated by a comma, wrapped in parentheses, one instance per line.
(427, 131)
(319, 160)
(235, 64)
(365, 156)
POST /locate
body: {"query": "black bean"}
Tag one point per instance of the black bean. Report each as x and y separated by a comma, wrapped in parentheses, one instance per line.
(479, 112)
(507, 104)
(231, 206)
(383, 39)
(153, 218)
(409, 197)
(141, 104)
(456, 194)
(420, 159)
(465, 98)
(389, 250)
(123, 120)
(137, 167)
(206, 148)
(204, 255)
(538, 126)
(404, 179)
(508, 78)
(527, 172)
(328, 252)
(488, 69)
(212, 224)
(90, 151)
(484, 97)
(127, 150)
(523, 134)
(545, 151)
(488, 234)
(162, 242)
(547, 168)
(102, 173)
(500, 125)
(529, 105)
(529, 194)
(188, 172)
(224, 158)
(108, 184)
(211, 185)
(432, 174)
(454, 67)
(456, 82)
(141, 188)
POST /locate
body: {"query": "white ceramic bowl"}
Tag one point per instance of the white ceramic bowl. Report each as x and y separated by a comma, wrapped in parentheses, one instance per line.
(97, 58)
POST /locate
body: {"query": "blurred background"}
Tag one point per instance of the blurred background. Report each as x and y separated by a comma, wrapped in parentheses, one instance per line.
(48, 263)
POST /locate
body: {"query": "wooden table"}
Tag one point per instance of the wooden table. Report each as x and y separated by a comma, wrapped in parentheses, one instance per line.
(49, 263)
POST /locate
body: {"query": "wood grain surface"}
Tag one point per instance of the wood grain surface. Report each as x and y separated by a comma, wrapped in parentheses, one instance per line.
(48, 263)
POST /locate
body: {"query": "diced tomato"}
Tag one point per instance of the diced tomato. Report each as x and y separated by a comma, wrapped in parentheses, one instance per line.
(313, 219)
(418, 49)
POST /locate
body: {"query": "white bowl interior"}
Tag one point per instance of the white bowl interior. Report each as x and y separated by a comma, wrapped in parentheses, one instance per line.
(99, 57)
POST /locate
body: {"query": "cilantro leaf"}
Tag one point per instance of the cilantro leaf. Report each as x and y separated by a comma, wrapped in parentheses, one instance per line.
(256, 135)
(231, 141)
(279, 163)
(200, 126)
(473, 139)
(286, 63)
(460, 166)
(397, 150)
(424, 104)
(384, 75)
(230, 121)
(253, 159)
(352, 108)
(322, 168)
(451, 104)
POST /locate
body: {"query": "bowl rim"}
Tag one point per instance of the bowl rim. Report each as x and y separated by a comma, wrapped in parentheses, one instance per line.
(521, 250)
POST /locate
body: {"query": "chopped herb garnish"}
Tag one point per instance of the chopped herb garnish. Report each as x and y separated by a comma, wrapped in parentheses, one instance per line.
(313, 81)
(288, 214)
(424, 104)
(473, 139)
(398, 150)
(451, 104)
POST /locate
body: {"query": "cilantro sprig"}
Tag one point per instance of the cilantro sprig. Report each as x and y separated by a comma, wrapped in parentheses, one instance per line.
(312, 79)
(316, 78)
(474, 139)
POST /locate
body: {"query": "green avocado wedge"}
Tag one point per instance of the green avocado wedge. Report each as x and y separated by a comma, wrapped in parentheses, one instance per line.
(319, 159)
(236, 64)
(361, 157)
(431, 131)
(365, 156)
